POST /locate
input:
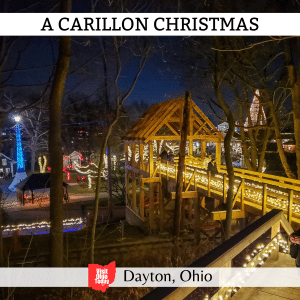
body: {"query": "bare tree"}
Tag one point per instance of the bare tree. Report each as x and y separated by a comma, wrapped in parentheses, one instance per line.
(35, 133)
(118, 103)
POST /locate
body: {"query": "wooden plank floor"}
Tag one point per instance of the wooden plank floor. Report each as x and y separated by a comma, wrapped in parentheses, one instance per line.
(274, 293)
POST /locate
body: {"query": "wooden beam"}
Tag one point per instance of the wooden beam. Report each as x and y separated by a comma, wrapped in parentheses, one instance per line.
(141, 156)
(224, 188)
(208, 184)
(221, 215)
(264, 199)
(132, 161)
(203, 149)
(200, 128)
(218, 153)
(188, 194)
(190, 147)
(133, 206)
(151, 180)
(191, 179)
(237, 194)
(161, 120)
(142, 201)
(210, 138)
(151, 163)
(171, 128)
(243, 195)
(290, 206)
(174, 120)
(205, 118)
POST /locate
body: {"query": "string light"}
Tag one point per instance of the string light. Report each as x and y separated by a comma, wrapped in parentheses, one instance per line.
(254, 112)
(257, 258)
(24, 229)
(20, 157)
(253, 192)
(43, 165)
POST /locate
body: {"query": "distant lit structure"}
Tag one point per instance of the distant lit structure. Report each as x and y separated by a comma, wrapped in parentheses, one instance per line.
(257, 113)
(21, 174)
(20, 156)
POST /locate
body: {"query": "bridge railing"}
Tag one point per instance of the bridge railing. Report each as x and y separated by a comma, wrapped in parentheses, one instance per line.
(225, 254)
(257, 190)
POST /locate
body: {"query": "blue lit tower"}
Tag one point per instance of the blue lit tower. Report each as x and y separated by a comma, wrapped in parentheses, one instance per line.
(21, 174)
(20, 157)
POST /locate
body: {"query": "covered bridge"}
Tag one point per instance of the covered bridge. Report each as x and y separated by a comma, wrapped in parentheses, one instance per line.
(36, 182)
(157, 131)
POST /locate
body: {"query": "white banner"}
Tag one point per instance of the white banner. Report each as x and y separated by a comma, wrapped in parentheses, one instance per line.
(149, 24)
(154, 277)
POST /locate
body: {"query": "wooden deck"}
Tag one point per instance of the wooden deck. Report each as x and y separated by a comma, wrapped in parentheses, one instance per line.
(274, 293)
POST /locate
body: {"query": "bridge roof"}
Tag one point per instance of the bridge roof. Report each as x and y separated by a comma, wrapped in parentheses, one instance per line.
(162, 121)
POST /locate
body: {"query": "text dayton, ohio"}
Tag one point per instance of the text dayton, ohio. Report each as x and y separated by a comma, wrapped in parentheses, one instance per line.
(184, 276)
(186, 24)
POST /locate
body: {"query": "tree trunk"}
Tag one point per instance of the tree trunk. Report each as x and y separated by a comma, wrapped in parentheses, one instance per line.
(219, 63)
(33, 154)
(294, 84)
(55, 146)
(98, 187)
(282, 155)
(296, 116)
(179, 185)
(109, 183)
(1, 211)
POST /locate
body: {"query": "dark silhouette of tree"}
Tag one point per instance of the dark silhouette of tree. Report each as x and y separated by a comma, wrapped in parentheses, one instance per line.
(55, 145)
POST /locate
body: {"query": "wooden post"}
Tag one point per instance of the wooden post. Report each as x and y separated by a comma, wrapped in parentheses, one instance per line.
(151, 165)
(264, 200)
(195, 180)
(218, 153)
(224, 188)
(190, 148)
(167, 170)
(208, 186)
(179, 186)
(32, 196)
(242, 194)
(141, 155)
(203, 149)
(157, 149)
(274, 231)
(133, 162)
(142, 204)
(151, 188)
(133, 191)
(185, 175)
(290, 206)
